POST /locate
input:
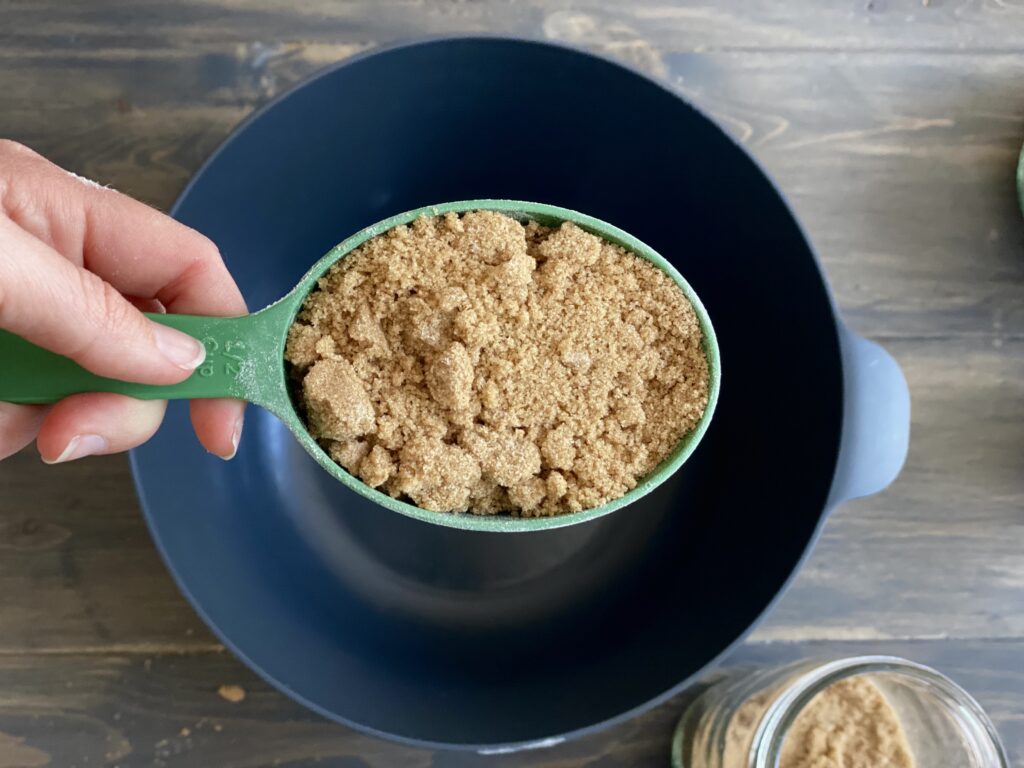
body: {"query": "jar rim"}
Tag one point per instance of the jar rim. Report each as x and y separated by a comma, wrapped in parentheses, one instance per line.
(783, 711)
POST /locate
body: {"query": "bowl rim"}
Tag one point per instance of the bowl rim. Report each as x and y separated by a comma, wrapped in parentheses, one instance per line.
(551, 739)
(1020, 180)
(548, 215)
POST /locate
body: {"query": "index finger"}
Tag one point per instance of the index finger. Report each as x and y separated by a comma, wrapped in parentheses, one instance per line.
(137, 249)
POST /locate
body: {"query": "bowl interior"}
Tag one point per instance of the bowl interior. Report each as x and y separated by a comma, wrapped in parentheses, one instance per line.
(549, 215)
(468, 638)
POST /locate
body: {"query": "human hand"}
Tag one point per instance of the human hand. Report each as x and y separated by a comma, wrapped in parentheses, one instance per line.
(78, 265)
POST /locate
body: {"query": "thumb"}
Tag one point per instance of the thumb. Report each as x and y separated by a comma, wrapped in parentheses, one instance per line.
(49, 301)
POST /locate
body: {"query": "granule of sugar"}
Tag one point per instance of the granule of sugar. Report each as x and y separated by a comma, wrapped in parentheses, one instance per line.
(474, 363)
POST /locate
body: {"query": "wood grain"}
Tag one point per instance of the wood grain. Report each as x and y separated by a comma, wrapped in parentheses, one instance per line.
(904, 182)
(940, 553)
(77, 567)
(163, 711)
(861, 25)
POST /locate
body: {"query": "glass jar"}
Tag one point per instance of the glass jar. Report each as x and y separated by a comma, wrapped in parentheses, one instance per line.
(743, 720)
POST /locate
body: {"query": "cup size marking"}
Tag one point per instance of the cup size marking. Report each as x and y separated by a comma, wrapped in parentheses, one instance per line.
(227, 358)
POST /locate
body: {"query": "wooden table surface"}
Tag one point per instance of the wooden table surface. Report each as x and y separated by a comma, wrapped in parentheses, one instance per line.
(893, 125)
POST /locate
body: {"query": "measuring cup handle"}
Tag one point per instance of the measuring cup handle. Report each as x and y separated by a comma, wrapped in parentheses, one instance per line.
(243, 360)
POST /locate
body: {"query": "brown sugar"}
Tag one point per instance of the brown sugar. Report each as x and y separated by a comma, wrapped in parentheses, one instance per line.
(233, 693)
(850, 724)
(474, 363)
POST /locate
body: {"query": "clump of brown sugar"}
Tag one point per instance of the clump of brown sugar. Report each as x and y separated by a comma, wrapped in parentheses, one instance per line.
(473, 363)
(850, 724)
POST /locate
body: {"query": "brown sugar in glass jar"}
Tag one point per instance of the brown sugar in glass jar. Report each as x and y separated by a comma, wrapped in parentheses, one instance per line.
(861, 712)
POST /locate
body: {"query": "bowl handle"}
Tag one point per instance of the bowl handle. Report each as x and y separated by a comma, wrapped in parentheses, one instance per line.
(876, 419)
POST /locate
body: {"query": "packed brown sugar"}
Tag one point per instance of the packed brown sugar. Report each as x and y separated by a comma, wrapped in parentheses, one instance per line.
(848, 725)
(474, 363)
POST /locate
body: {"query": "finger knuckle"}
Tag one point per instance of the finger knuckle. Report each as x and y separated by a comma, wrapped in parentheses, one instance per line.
(105, 311)
(15, 149)
(206, 249)
(17, 164)
(204, 257)
(10, 147)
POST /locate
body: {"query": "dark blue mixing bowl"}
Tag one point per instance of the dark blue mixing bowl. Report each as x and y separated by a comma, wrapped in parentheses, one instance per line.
(476, 640)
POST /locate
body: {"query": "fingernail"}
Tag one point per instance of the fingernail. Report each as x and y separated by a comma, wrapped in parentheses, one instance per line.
(236, 437)
(180, 348)
(79, 447)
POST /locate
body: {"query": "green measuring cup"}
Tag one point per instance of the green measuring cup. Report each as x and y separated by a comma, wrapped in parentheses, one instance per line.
(245, 360)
